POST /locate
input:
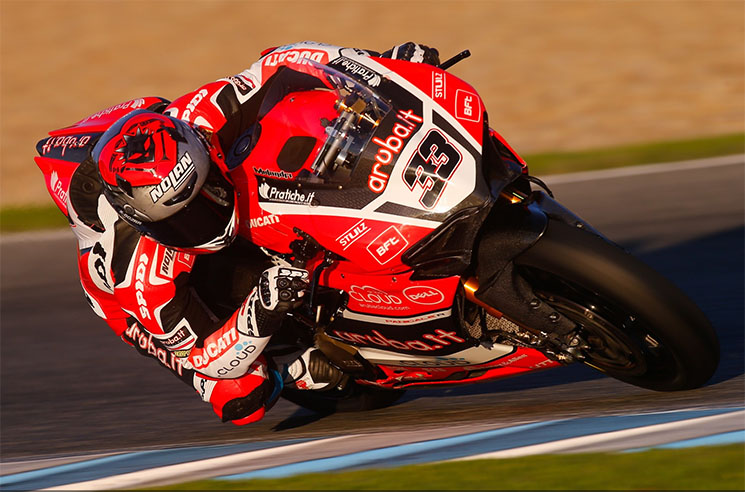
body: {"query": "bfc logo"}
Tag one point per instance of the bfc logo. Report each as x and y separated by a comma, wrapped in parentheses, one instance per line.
(387, 245)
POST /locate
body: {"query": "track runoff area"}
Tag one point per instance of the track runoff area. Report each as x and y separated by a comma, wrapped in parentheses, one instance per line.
(275, 459)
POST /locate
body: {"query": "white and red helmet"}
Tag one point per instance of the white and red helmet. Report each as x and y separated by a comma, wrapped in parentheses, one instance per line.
(158, 175)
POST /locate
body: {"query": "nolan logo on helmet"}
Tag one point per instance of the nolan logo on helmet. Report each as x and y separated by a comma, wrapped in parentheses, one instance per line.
(178, 175)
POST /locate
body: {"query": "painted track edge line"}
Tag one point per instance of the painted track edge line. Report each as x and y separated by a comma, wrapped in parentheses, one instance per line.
(642, 169)
(139, 478)
(578, 442)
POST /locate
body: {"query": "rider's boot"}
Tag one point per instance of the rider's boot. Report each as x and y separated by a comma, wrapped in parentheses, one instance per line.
(309, 369)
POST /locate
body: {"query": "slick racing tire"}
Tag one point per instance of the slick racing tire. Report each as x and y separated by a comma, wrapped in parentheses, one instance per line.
(635, 324)
(352, 398)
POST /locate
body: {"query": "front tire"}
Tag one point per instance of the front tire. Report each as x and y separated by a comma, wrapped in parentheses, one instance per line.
(636, 325)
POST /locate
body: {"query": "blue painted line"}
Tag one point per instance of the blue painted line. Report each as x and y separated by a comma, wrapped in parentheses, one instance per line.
(734, 437)
(472, 444)
(126, 463)
(375, 455)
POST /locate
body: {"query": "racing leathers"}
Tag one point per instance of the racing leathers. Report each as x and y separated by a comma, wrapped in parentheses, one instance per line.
(206, 318)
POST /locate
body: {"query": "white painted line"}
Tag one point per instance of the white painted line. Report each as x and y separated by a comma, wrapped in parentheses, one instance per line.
(622, 172)
(579, 442)
(143, 477)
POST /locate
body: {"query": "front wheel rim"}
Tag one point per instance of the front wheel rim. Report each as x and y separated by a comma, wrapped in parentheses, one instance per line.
(612, 339)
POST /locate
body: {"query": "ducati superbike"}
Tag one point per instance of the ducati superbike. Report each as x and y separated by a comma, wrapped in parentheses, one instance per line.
(435, 258)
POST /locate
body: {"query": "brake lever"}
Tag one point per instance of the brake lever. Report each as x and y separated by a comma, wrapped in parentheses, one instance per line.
(452, 61)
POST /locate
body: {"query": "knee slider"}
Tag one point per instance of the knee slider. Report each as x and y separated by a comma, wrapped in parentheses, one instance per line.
(244, 406)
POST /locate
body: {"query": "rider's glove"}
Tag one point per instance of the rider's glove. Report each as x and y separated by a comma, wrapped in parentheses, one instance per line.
(413, 52)
(282, 289)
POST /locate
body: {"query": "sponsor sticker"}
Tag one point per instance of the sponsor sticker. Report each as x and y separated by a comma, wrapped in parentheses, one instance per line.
(434, 341)
(273, 174)
(387, 245)
(166, 266)
(357, 70)
(140, 272)
(242, 84)
(370, 297)
(57, 188)
(144, 340)
(351, 235)
(466, 106)
(193, 103)
(214, 347)
(180, 338)
(388, 149)
(178, 176)
(294, 56)
(438, 85)
(262, 221)
(64, 143)
(422, 294)
(133, 104)
(286, 195)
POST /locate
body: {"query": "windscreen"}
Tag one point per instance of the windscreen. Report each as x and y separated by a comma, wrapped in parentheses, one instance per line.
(357, 112)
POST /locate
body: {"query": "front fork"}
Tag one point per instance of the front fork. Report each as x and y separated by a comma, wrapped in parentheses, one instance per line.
(514, 225)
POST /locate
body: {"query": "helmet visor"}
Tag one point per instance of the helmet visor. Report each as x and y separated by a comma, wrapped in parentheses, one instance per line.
(207, 222)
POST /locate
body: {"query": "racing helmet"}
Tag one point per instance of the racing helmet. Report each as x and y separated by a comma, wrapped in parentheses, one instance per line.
(158, 175)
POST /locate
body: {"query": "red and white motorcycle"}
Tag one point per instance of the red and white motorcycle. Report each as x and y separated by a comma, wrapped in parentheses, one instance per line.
(433, 260)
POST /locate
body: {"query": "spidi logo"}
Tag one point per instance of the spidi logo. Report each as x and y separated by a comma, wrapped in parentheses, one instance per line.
(274, 194)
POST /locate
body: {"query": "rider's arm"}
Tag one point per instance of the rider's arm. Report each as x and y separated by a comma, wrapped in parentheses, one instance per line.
(92, 223)
(155, 285)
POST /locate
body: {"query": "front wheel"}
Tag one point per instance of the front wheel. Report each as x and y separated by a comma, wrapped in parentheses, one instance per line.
(633, 324)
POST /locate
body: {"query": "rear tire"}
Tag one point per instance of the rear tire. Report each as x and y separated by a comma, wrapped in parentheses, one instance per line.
(640, 328)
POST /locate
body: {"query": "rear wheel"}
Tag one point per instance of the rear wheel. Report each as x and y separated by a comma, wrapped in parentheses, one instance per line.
(633, 324)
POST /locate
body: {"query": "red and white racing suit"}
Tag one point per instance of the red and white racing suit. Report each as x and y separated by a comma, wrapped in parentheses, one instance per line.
(149, 294)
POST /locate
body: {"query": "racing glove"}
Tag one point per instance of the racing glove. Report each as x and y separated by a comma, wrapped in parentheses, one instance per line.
(413, 52)
(282, 289)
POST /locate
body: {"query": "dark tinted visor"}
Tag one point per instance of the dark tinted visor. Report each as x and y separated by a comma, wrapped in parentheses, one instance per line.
(205, 221)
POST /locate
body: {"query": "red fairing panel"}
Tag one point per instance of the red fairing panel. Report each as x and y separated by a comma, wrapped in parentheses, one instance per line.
(394, 296)
(455, 96)
(522, 360)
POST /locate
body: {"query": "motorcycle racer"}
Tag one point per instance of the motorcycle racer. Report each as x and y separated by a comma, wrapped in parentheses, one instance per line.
(155, 214)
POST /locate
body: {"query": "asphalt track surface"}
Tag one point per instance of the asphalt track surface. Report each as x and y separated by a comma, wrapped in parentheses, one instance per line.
(69, 387)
